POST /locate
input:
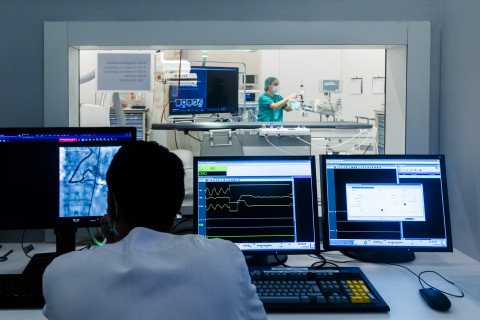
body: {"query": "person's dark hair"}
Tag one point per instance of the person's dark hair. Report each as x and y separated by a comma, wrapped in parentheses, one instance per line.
(146, 180)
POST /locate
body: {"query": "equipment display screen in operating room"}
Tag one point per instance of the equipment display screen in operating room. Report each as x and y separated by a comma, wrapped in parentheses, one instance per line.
(331, 86)
(216, 91)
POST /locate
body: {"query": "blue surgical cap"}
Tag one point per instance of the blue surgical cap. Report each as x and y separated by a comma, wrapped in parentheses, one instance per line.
(268, 82)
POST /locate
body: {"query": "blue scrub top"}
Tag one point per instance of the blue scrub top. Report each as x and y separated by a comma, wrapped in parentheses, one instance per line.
(265, 113)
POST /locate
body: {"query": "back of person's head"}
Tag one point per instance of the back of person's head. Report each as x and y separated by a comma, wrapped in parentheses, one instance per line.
(146, 180)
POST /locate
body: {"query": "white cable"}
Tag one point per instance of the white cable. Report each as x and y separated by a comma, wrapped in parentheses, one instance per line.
(361, 144)
(266, 139)
(313, 145)
(345, 142)
(337, 145)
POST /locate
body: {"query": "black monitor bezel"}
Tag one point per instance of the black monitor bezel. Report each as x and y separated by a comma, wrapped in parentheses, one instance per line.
(69, 130)
(325, 223)
(233, 158)
(176, 113)
(53, 220)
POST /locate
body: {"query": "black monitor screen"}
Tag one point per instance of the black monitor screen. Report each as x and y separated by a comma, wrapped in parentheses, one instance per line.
(385, 202)
(33, 165)
(262, 204)
(216, 91)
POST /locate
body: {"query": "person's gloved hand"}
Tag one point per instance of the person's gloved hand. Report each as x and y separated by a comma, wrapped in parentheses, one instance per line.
(294, 104)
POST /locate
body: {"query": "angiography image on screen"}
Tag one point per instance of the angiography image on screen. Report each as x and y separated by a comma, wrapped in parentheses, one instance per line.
(83, 187)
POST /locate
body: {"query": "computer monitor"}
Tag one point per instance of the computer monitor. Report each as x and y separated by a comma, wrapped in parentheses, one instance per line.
(249, 79)
(329, 86)
(216, 91)
(31, 168)
(382, 208)
(265, 205)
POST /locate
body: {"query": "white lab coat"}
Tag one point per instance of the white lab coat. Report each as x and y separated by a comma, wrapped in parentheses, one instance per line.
(152, 275)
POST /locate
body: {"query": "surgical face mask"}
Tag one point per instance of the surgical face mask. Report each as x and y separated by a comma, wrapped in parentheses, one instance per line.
(275, 89)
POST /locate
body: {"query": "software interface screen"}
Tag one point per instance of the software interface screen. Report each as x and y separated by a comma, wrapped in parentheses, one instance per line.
(257, 204)
(385, 202)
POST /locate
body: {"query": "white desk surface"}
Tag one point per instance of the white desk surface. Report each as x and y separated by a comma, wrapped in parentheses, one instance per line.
(397, 286)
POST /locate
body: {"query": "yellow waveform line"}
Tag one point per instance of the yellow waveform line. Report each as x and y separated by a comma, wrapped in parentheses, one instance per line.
(248, 195)
(221, 206)
(217, 192)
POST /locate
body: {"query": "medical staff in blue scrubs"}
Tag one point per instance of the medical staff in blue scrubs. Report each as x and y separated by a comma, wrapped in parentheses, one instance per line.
(270, 104)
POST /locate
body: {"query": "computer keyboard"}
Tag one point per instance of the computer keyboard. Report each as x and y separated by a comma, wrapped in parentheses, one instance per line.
(21, 291)
(344, 289)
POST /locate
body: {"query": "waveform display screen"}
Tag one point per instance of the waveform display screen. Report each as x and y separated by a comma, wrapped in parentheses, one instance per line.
(385, 201)
(259, 203)
(251, 211)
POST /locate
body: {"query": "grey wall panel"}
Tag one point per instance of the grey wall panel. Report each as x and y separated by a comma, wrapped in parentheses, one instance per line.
(56, 112)
(460, 118)
(418, 103)
(195, 33)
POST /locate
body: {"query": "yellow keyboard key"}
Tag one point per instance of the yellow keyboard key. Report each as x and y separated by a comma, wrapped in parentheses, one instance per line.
(356, 299)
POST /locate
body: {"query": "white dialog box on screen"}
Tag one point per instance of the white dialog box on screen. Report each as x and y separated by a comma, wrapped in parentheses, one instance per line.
(385, 202)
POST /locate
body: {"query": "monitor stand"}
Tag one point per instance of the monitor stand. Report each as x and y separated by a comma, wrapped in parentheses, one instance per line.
(381, 255)
(265, 260)
(65, 242)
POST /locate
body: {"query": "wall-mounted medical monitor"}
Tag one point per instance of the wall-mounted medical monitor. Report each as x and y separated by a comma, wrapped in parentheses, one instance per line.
(378, 204)
(262, 204)
(33, 165)
(216, 91)
(249, 79)
(330, 86)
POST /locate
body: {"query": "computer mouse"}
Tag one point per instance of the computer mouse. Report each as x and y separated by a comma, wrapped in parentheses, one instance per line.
(435, 299)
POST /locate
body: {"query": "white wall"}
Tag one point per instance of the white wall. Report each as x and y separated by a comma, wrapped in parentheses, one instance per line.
(395, 101)
(87, 63)
(311, 66)
(251, 59)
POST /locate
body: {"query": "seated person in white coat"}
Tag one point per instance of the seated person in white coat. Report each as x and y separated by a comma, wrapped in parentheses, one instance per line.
(144, 271)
